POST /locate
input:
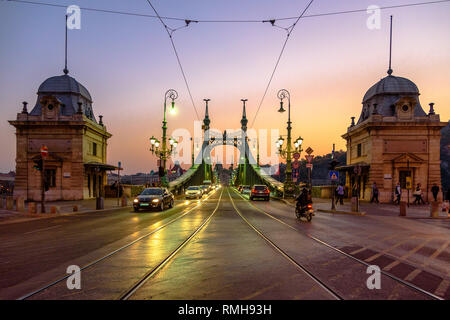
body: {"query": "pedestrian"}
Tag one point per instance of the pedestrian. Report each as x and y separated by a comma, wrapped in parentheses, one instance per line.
(398, 193)
(418, 195)
(435, 191)
(374, 193)
(340, 194)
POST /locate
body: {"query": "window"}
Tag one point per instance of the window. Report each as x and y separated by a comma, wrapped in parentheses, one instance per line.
(50, 177)
(94, 148)
(402, 175)
(359, 151)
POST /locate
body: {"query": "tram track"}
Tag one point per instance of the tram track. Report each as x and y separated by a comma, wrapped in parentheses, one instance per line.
(143, 280)
(299, 266)
(114, 252)
(326, 244)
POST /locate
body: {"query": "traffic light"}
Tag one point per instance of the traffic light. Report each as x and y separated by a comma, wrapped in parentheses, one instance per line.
(333, 164)
(38, 165)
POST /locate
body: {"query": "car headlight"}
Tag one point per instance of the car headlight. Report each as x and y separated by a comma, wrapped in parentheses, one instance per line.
(198, 192)
(136, 200)
(155, 200)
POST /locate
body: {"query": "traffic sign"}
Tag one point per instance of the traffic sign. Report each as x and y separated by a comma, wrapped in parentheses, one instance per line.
(309, 150)
(309, 165)
(44, 152)
(295, 164)
(309, 158)
(333, 175)
(296, 155)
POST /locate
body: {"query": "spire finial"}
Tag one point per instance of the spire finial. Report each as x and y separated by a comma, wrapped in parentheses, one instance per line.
(24, 110)
(390, 51)
(66, 71)
(244, 120)
(206, 121)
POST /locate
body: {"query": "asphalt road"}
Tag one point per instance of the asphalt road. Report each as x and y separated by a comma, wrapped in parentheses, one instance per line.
(224, 247)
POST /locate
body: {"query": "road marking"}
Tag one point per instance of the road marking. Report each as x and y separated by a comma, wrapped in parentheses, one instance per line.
(405, 256)
(442, 289)
(39, 230)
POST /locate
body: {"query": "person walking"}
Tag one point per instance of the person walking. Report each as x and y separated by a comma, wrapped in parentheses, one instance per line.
(374, 193)
(418, 195)
(435, 191)
(340, 194)
(398, 193)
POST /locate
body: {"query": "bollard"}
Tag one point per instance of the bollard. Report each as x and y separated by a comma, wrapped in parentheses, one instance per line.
(100, 204)
(32, 207)
(9, 203)
(434, 209)
(1, 202)
(54, 209)
(355, 204)
(20, 204)
(75, 208)
(402, 208)
(124, 201)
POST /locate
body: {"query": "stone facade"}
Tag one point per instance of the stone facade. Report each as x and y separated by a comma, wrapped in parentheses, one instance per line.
(393, 139)
(77, 144)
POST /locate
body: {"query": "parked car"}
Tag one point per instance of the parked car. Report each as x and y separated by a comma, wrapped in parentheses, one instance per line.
(246, 190)
(193, 192)
(261, 192)
(149, 198)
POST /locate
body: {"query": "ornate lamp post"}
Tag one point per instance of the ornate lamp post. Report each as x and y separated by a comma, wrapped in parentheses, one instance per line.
(158, 148)
(287, 152)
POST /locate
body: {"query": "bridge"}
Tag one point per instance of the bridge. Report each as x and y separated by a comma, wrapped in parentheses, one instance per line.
(248, 171)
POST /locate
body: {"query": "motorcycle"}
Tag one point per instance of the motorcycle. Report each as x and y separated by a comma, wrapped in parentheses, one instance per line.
(305, 211)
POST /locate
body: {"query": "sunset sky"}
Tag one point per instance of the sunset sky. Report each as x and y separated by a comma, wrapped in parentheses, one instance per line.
(127, 63)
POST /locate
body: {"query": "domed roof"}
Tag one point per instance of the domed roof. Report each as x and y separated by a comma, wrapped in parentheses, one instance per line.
(70, 92)
(64, 84)
(392, 85)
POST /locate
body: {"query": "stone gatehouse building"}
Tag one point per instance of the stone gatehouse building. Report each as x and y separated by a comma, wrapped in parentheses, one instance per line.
(63, 120)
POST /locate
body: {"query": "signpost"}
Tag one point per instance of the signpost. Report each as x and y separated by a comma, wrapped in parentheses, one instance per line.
(44, 155)
(333, 175)
(309, 150)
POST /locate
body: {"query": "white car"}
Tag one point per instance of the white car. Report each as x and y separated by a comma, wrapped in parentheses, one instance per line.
(193, 192)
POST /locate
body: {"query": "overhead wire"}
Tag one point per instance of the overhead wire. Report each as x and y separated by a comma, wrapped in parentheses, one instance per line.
(170, 32)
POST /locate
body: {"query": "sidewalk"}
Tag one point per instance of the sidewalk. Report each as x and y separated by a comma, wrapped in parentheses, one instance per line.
(378, 209)
(65, 208)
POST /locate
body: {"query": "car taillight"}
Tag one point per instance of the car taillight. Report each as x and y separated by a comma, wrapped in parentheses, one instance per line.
(266, 191)
(310, 206)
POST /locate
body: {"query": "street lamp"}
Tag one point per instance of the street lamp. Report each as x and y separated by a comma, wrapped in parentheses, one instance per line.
(287, 152)
(164, 152)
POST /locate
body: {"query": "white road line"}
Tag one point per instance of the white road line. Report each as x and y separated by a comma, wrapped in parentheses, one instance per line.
(34, 231)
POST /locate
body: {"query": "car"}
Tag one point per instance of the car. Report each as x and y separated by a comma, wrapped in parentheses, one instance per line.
(246, 190)
(260, 191)
(240, 188)
(205, 188)
(149, 198)
(193, 192)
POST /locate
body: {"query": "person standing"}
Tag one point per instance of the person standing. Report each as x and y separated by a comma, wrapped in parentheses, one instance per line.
(398, 193)
(374, 193)
(340, 194)
(418, 195)
(435, 191)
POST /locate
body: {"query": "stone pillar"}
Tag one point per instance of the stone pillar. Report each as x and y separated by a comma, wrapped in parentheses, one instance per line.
(9, 203)
(434, 209)
(402, 208)
(20, 204)
(54, 209)
(32, 207)
(124, 201)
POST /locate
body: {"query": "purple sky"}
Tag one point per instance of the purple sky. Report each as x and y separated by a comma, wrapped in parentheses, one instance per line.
(127, 63)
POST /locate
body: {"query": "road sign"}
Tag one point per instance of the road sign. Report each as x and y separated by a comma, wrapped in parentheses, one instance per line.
(333, 175)
(296, 155)
(44, 152)
(309, 150)
(120, 164)
(295, 164)
(309, 165)
(309, 158)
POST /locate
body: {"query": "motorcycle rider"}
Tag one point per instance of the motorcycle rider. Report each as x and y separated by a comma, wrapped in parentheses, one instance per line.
(303, 198)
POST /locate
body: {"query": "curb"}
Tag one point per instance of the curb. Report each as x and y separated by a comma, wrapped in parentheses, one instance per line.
(39, 216)
(343, 212)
